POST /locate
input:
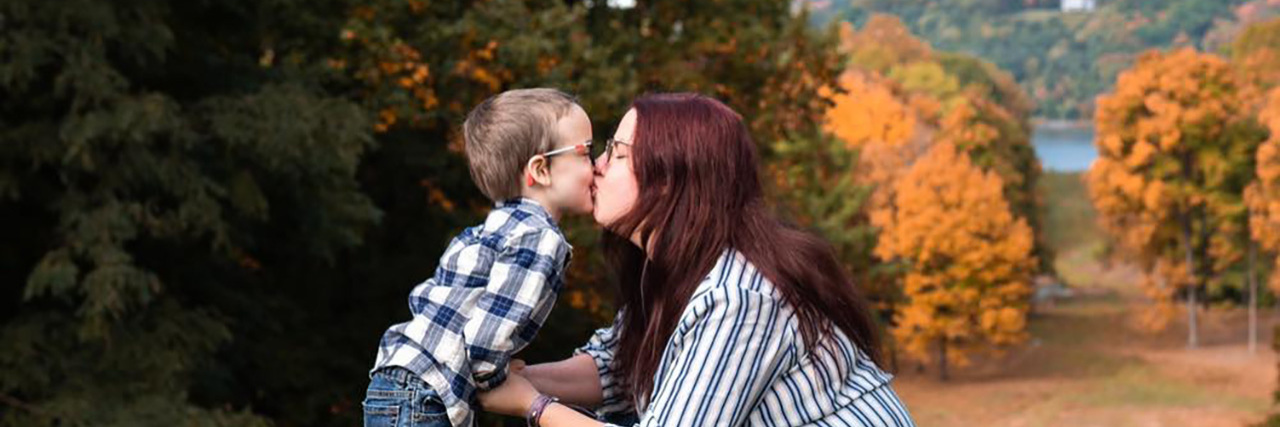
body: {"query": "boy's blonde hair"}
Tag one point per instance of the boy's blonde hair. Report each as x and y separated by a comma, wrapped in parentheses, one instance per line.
(506, 130)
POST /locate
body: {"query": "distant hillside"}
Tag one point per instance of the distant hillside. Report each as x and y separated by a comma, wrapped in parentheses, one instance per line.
(1062, 59)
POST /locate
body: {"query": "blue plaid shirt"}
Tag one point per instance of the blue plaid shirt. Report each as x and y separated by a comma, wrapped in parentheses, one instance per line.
(494, 287)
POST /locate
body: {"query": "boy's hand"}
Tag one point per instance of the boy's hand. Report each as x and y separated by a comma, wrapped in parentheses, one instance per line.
(515, 366)
(513, 397)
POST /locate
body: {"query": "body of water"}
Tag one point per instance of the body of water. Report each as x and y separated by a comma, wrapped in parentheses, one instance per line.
(1064, 149)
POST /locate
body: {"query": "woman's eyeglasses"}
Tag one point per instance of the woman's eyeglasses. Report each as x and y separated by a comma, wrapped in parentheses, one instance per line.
(605, 152)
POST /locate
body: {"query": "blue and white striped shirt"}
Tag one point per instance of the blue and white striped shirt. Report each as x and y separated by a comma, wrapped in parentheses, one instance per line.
(737, 358)
(491, 293)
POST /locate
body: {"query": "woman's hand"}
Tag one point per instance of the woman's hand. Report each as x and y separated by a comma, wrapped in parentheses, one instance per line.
(513, 397)
(574, 380)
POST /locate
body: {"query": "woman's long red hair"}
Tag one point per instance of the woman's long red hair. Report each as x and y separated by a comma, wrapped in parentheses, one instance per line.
(699, 194)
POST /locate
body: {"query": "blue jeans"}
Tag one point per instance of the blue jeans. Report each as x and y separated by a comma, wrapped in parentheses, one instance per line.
(398, 398)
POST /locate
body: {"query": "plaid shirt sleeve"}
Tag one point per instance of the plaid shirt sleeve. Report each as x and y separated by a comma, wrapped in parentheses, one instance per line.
(601, 347)
(522, 287)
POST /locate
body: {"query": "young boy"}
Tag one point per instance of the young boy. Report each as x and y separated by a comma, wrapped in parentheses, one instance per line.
(529, 151)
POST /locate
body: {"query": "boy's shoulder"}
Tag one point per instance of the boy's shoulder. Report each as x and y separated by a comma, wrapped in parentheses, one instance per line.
(518, 217)
(516, 224)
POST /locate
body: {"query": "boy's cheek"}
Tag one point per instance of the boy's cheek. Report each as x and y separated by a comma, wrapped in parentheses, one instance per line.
(588, 192)
(579, 195)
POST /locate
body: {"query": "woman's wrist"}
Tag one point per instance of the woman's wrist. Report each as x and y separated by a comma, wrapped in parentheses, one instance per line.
(533, 415)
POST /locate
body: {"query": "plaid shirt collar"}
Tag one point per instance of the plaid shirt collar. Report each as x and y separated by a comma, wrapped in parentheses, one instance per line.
(527, 205)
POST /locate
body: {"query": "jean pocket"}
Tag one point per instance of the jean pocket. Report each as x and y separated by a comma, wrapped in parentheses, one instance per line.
(383, 403)
(429, 410)
(381, 415)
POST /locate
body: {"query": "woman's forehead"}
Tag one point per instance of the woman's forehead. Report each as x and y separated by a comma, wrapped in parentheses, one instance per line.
(626, 127)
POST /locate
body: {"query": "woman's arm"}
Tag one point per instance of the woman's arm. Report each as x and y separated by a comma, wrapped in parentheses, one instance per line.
(574, 380)
(587, 378)
(557, 415)
(584, 379)
(516, 395)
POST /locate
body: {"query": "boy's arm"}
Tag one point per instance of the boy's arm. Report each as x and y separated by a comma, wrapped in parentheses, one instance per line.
(519, 286)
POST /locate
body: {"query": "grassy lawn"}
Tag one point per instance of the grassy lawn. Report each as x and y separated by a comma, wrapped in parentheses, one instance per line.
(1068, 215)
(1087, 365)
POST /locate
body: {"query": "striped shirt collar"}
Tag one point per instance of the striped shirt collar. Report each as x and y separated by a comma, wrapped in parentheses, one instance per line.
(730, 260)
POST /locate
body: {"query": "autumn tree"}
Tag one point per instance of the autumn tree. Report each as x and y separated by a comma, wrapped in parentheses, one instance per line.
(970, 262)
(913, 94)
(868, 114)
(1263, 198)
(882, 43)
(899, 100)
(1000, 142)
(1255, 53)
(1174, 156)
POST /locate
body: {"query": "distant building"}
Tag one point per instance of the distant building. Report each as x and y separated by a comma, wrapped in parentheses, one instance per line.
(1079, 5)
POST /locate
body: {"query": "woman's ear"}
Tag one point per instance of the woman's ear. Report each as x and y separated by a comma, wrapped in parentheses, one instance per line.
(538, 171)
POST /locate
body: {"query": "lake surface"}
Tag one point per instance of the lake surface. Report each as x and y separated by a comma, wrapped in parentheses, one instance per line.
(1064, 149)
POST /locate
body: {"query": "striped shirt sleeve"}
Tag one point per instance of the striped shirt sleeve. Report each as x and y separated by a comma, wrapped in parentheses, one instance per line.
(732, 344)
(520, 283)
(601, 347)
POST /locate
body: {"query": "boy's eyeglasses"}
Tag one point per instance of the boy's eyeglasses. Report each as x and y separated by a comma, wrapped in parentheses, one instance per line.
(581, 148)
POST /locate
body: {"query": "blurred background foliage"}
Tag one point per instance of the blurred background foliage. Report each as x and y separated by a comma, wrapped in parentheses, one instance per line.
(212, 209)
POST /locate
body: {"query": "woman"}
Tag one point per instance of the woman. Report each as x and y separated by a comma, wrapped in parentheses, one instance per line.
(728, 317)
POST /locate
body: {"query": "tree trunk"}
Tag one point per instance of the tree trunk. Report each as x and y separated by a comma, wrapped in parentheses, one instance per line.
(893, 343)
(1192, 339)
(893, 358)
(1253, 299)
(942, 360)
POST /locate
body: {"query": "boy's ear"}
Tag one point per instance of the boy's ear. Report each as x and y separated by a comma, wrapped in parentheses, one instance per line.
(538, 171)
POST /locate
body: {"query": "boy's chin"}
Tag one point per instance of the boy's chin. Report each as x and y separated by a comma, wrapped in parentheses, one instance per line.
(586, 208)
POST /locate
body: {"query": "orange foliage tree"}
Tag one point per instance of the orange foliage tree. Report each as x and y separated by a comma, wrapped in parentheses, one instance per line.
(1255, 52)
(969, 257)
(868, 114)
(1264, 194)
(1173, 157)
(898, 101)
(876, 131)
(900, 95)
(1263, 198)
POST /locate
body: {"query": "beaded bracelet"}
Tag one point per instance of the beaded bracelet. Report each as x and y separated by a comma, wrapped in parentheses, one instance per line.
(539, 406)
